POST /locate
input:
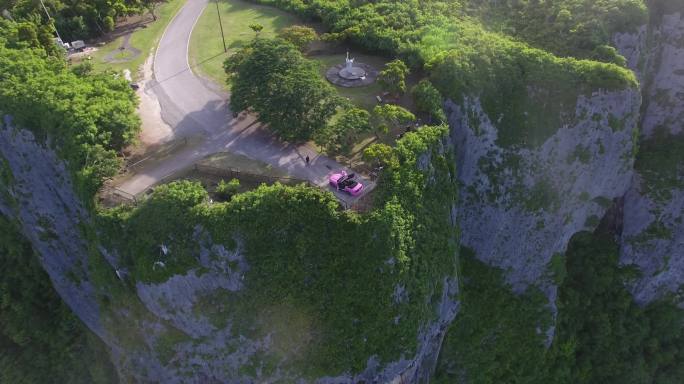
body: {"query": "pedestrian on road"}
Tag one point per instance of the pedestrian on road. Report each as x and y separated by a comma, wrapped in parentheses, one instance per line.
(307, 160)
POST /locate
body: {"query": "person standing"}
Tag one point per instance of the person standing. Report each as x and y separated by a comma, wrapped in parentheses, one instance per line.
(307, 160)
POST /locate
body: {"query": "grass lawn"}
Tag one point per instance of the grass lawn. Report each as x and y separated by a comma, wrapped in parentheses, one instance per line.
(144, 39)
(206, 48)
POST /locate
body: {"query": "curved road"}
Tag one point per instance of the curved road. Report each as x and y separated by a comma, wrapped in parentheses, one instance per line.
(194, 110)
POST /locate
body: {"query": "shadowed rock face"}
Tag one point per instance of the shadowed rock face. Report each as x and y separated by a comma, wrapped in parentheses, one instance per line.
(521, 206)
(653, 234)
(37, 192)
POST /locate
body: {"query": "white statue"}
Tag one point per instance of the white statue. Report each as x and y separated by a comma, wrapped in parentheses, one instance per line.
(350, 62)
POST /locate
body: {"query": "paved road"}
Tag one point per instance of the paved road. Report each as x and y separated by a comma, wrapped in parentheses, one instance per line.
(192, 109)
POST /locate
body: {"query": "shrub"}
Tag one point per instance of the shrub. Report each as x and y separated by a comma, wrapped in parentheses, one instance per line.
(226, 190)
(428, 100)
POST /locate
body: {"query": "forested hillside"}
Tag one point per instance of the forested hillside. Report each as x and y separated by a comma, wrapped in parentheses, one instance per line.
(503, 246)
(75, 20)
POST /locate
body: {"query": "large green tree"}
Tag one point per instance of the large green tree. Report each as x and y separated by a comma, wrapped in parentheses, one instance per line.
(428, 100)
(341, 135)
(271, 77)
(393, 77)
(389, 116)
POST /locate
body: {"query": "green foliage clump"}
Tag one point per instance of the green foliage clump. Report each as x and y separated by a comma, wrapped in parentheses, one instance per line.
(87, 119)
(227, 189)
(299, 35)
(659, 162)
(393, 78)
(390, 116)
(41, 341)
(428, 100)
(340, 135)
(271, 77)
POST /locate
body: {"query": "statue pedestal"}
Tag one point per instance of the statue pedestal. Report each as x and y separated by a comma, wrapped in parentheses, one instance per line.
(353, 73)
(358, 75)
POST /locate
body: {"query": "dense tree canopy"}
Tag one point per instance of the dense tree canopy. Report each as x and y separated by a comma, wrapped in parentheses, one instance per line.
(299, 35)
(340, 135)
(428, 100)
(271, 77)
(75, 19)
(89, 119)
(389, 116)
(565, 27)
(601, 335)
(86, 118)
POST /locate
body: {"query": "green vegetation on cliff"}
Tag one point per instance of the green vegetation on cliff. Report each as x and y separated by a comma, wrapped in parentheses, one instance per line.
(577, 28)
(659, 162)
(601, 334)
(87, 118)
(358, 284)
(41, 340)
(569, 28)
(498, 337)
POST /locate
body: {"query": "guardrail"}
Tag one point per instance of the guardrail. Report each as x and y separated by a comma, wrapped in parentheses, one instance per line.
(232, 173)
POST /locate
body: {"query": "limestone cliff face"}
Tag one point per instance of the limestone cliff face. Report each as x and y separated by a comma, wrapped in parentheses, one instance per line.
(520, 206)
(36, 191)
(653, 232)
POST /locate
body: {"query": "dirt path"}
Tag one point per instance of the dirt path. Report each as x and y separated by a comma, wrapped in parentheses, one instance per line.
(124, 47)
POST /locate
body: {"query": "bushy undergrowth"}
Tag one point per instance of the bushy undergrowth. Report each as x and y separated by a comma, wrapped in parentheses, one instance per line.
(660, 162)
(601, 334)
(337, 271)
(528, 93)
(577, 28)
(87, 118)
(498, 337)
(41, 340)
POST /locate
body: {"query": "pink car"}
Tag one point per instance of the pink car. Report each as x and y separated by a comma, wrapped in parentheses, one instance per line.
(343, 182)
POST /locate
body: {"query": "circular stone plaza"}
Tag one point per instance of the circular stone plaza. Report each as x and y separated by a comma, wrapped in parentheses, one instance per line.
(351, 74)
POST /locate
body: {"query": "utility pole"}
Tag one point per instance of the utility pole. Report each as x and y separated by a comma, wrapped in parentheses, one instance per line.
(51, 21)
(220, 25)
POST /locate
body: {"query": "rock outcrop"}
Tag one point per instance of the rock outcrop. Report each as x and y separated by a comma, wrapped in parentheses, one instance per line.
(36, 190)
(653, 232)
(520, 206)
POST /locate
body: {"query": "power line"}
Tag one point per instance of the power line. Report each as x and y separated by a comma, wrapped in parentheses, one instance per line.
(51, 21)
(221, 26)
